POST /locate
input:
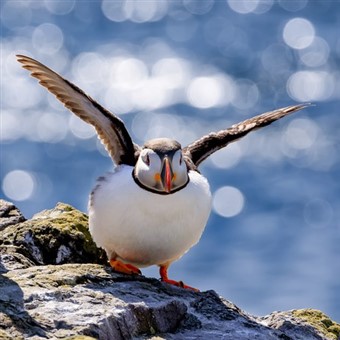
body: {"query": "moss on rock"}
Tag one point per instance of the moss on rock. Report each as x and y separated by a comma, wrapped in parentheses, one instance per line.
(320, 321)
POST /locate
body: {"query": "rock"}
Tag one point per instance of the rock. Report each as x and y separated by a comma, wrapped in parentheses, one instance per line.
(303, 324)
(55, 236)
(9, 214)
(46, 295)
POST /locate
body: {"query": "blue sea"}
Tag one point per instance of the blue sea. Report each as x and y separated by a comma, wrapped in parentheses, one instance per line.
(182, 69)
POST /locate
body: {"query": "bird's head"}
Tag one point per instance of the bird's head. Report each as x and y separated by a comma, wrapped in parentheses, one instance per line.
(160, 167)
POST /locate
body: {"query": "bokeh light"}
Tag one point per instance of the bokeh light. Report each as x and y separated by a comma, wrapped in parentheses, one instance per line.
(18, 185)
(129, 73)
(59, 7)
(305, 86)
(91, 69)
(81, 129)
(207, 92)
(298, 33)
(263, 6)
(172, 72)
(301, 133)
(51, 127)
(10, 127)
(316, 54)
(198, 7)
(228, 157)
(47, 38)
(228, 201)
(114, 10)
(243, 6)
(293, 6)
(21, 94)
(247, 94)
(135, 11)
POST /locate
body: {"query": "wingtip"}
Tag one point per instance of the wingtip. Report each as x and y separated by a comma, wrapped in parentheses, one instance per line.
(310, 104)
(303, 105)
(23, 59)
(297, 107)
(20, 56)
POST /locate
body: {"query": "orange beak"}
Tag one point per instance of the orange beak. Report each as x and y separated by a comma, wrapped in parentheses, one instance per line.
(167, 174)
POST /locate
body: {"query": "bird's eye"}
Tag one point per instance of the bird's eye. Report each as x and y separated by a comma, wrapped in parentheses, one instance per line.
(180, 159)
(146, 159)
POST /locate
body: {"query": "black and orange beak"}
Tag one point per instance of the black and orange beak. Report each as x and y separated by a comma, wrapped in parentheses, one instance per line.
(167, 174)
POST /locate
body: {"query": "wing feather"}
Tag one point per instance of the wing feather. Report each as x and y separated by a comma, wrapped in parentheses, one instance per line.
(202, 148)
(110, 129)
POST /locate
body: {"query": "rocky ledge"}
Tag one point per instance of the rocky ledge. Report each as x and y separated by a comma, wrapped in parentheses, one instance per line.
(55, 285)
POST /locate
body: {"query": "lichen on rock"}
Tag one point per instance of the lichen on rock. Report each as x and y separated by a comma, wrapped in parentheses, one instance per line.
(320, 321)
(55, 236)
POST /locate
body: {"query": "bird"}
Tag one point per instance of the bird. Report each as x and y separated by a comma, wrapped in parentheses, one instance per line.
(154, 205)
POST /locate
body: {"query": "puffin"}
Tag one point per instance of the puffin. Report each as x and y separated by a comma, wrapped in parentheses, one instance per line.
(154, 205)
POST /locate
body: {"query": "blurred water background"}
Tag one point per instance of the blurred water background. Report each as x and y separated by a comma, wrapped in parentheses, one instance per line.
(182, 69)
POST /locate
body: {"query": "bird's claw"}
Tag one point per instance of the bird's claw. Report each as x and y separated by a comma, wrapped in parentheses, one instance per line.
(163, 270)
(124, 268)
(179, 284)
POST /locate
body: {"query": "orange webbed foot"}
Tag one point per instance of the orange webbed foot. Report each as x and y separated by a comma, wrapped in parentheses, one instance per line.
(163, 270)
(125, 268)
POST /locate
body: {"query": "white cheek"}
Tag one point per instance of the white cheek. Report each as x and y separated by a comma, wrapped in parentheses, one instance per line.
(176, 165)
(153, 169)
(155, 164)
(143, 167)
(181, 174)
(146, 173)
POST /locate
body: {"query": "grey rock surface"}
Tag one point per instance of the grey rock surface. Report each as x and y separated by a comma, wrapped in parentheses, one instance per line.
(44, 294)
(9, 214)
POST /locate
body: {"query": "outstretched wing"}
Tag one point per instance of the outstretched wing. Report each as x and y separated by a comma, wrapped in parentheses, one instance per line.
(199, 150)
(110, 129)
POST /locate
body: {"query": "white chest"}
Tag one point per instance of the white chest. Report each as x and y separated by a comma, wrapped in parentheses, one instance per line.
(143, 228)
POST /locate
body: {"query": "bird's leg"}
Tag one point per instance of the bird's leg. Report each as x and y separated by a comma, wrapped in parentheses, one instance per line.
(163, 270)
(125, 268)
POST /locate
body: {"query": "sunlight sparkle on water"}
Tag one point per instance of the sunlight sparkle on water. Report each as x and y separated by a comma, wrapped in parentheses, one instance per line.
(47, 38)
(18, 185)
(309, 86)
(316, 54)
(139, 12)
(59, 7)
(298, 33)
(207, 92)
(228, 201)
(243, 6)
